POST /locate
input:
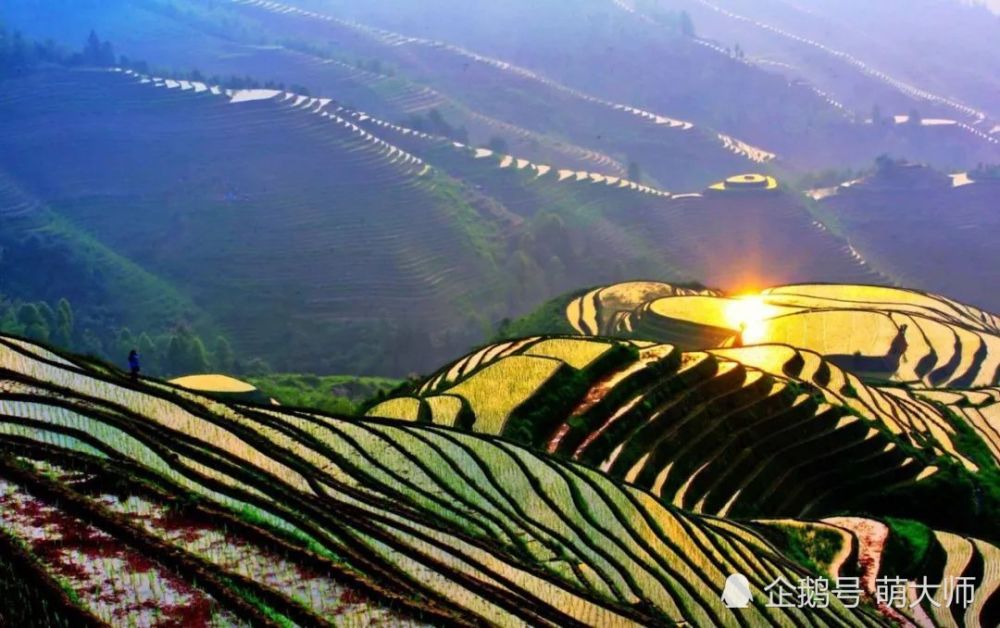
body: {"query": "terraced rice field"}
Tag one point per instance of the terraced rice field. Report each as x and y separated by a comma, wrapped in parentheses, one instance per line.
(955, 595)
(963, 267)
(681, 425)
(548, 480)
(690, 230)
(456, 66)
(746, 183)
(979, 408)
(448, 215)
(878, 333)
(221, 386)
(280, 217)
(292, 517)
(594, 312)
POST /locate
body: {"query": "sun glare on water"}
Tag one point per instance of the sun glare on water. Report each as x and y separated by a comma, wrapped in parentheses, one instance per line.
(749, 314)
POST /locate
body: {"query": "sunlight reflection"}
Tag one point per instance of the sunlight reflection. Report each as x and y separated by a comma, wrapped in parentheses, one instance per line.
(749, 314)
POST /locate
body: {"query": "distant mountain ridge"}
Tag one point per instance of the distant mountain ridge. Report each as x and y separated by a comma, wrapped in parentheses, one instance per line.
(500, 211)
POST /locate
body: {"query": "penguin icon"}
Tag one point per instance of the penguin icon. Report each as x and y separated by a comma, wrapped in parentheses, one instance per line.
(736, 593)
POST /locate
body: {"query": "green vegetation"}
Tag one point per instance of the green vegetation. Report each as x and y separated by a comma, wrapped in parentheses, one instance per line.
(677, 22)
(718, 432)
(436, 502)
(536, 420)
(340, 394)
(166, 354)
(550, 318)
(813, 547)
(433, 122)
(751, 432)
(911, 550)
(465, 494)
(466, 244)
(19, 55)
(829, 177)
(985, 172)
(546, 479)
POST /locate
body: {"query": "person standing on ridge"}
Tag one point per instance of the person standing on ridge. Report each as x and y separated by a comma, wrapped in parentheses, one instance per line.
(133, 364)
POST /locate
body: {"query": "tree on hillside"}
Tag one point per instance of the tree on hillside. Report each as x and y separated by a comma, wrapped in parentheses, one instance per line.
(498, 144)
(147, 349)
(92, 49)
(64, 321)
(177, 352)
(38, 332)
(197, 358)
(436, 124)
(986, 171)
(186, 354)
(8, 321)
(90, 344)
(125, 342)
(222, 352)
(62, 331)
(97, 52)
(257, 366)
(48, 315)
(877, 118)
(31, 321)
(634, 172)
(436, 118)
(528, 283)
(16, 56)
(885, 164)
(107, 55)
(686, 24)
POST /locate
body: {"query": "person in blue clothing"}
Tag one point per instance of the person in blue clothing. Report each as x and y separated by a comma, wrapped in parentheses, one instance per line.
(133, 364)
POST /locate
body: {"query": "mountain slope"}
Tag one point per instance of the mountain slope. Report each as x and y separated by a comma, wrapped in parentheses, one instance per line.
(949, 229)
(360, 504)
(631, 53)
(366, 68)
(438, 236)
(174, 184)
(44, 257)
(915, 63)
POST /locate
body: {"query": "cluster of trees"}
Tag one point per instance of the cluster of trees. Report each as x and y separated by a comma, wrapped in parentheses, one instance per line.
(173, 353)
(19, 55)
(679, 22)
(435, 124)
(375, 66)
(634, 172)
(886, 164)
(883, 165)
(549, 256)
(499, 145)
(233, 82)
(828, 177)
(339, 394)
(685, 24)
(878, 119)
(986, 171)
